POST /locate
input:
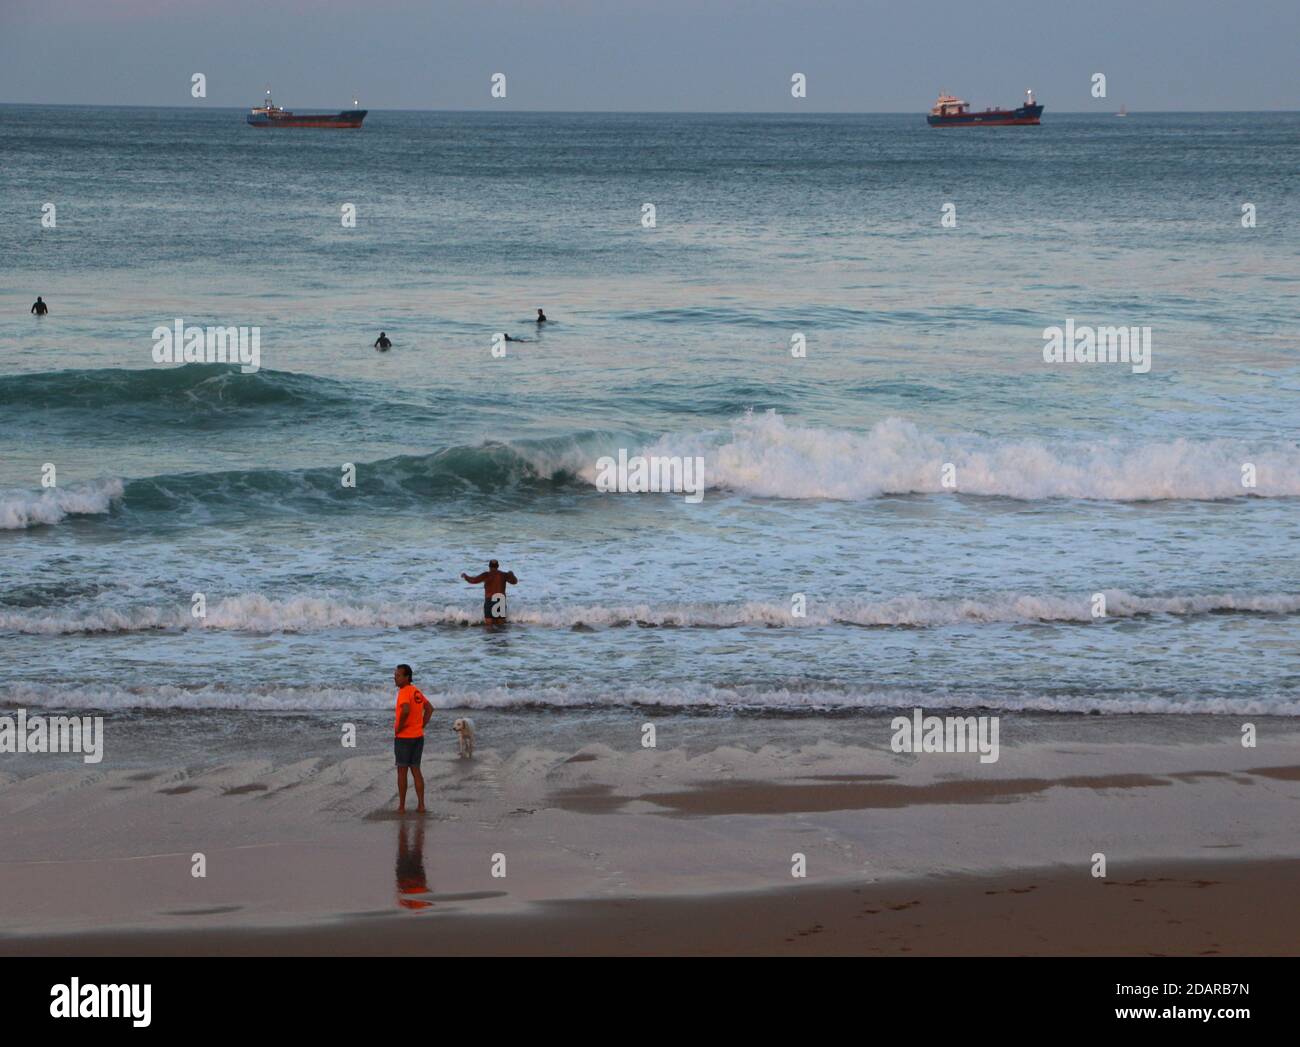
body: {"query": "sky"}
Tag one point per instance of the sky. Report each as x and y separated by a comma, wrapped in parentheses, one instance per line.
(654, 55)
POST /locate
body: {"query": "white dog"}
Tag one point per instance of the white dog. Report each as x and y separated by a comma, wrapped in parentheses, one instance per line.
(464, 728)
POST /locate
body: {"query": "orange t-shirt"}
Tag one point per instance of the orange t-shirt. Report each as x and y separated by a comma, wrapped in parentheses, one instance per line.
(410, 695)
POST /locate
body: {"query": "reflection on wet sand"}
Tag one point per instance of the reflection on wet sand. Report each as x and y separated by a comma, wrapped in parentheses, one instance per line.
(411, 878)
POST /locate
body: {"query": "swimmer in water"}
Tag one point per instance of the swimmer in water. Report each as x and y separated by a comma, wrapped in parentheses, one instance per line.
(509, 339)
(494, 582)
(541, 317)
(382, 342)
(39, 307)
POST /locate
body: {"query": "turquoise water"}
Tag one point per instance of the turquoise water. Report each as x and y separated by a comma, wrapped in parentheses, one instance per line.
(824, 473)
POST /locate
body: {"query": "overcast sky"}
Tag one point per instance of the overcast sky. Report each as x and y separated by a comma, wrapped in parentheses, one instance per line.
(694, 55)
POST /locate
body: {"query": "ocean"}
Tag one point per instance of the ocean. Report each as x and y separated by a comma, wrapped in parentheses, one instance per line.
(824, 473)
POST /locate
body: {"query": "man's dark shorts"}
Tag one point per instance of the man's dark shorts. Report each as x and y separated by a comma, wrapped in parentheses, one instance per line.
(491, 609)
(408, 751)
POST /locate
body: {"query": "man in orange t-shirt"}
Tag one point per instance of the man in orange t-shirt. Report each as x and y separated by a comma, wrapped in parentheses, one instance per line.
(413, 712)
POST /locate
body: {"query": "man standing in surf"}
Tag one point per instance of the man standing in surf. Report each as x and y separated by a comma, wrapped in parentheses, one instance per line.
(494, 582)
(413, 712)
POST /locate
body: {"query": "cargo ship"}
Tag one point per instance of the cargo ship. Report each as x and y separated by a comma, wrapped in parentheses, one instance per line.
(953, 112)
(271, 115)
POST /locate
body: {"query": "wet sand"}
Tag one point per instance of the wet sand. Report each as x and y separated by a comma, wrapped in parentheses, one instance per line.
(609, 850)
(1188, 909)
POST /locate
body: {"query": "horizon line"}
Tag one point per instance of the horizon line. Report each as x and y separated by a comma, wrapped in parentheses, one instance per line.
(633, 112)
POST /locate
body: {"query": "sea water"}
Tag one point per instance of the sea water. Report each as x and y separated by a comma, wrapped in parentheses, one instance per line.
(905, 504)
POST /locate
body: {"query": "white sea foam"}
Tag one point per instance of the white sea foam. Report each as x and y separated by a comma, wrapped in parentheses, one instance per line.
(685, 696)
(21, 509)
(256, 613)
(764, 455)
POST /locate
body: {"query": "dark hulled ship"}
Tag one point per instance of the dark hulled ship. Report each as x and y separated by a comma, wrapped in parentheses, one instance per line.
(950, 111)
(271, 115)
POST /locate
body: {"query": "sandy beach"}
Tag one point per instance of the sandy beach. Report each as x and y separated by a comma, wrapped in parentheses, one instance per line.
(611, 849)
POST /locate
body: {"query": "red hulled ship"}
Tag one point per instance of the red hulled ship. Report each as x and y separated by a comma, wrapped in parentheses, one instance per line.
(950, 111)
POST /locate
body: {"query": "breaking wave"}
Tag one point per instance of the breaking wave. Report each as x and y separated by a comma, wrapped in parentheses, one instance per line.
(760, 455)
(23, 509)
(255, 613)
(764, 455)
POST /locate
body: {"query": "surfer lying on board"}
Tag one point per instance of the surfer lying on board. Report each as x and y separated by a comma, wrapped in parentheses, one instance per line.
(494, 582)
(382, 342)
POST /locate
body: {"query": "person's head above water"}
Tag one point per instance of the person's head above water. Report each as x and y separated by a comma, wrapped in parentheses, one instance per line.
(492, 565)
(381, 334)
